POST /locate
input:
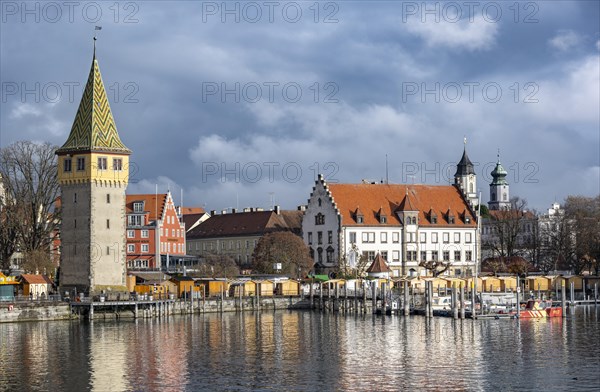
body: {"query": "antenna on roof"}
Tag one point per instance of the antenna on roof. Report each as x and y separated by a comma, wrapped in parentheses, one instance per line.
(387, 180)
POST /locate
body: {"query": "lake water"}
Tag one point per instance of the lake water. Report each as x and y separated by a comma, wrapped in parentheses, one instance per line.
(303, 351)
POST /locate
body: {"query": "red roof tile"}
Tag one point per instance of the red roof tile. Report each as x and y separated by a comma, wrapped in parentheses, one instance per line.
(379, 265)
(391, 198)
(34, 279)
(150, 204)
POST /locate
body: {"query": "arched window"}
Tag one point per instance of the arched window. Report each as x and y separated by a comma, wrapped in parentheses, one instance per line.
(319, 201)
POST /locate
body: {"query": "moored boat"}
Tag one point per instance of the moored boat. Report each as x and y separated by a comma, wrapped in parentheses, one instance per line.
(540, 309)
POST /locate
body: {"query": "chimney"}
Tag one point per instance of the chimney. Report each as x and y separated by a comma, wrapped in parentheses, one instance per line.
(223, 212)
(213, 212)
(301, 208)
(233, 210)
(277, 210)
(247, 209)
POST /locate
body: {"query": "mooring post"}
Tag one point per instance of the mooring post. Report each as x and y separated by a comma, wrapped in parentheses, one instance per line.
(311, 294)
(374, 296)
(473, 300)
(454, 304)
(462, 300)
(596, 293)
(321, 296)
(406, 304)
(430, 299)
(572, 286)
(383, 298)
(427, 303)
(563, 298)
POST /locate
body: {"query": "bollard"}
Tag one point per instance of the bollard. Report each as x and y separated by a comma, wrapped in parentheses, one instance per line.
(364, 302)
(596, 293)
(374, 296)
(563, 298)
(461, 300)
(311, 294)
(406, 303)
(454, 304)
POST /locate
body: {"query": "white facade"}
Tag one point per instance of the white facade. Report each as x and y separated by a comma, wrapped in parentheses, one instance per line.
(402, 243)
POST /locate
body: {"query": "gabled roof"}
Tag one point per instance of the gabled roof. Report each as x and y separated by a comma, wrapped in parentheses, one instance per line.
(153, 204)
(378, 265)
(390, 197)
(247, 223)
(406, 204)
(34, 279)
(94, 127)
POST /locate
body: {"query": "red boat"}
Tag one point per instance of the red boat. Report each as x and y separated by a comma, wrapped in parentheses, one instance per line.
(540, 309)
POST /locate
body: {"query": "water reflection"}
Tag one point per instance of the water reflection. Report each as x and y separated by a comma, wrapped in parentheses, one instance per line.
(303, 351)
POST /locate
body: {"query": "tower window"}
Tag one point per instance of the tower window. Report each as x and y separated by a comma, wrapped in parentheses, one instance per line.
(75, 197)
(117, 164)
(67, 165)
(108, 198)
(319, 219)
(101, 163)
(81, 163)
(108, 223)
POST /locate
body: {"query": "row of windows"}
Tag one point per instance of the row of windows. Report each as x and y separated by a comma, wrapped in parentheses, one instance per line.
(329, 254)
(144, 248)
(137, 263)
(369, 237)
(166, 247)
(225, 245)
(411, 255)
(131, 234)
(102, 164)
(320, 237)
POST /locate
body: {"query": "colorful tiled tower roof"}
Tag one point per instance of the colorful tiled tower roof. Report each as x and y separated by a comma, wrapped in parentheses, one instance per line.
(94, 128)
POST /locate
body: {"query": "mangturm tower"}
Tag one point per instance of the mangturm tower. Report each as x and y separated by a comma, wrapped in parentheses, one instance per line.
(93, 173)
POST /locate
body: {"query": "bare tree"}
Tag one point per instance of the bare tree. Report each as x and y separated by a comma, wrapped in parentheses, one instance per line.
(29, 179)
(582, 215)
(436, 267)
(38, 261)
(508, 228)
(217, 266)
(283, 248)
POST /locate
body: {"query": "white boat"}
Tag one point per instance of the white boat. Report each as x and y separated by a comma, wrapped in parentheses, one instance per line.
(441, 303)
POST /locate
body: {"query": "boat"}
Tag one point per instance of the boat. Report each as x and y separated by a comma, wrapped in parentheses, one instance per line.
(539, 309)
(441, 303)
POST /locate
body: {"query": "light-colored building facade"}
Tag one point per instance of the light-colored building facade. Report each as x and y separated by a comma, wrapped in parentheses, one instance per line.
(408, 225)
(93, 172)
(236, 234)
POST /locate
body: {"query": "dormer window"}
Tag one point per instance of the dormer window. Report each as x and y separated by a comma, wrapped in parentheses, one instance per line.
(383, 219)
(434, 219)
(138, 206)
(451, 220)
(359, 219)
(467, 219)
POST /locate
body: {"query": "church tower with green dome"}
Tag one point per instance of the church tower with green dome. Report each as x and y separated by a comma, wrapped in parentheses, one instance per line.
(499, 192)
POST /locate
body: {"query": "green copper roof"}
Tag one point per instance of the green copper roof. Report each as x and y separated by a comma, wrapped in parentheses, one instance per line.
(94, 127)
(499, 175)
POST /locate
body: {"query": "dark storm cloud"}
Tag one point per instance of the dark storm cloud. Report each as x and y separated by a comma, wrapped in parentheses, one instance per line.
(357, 65)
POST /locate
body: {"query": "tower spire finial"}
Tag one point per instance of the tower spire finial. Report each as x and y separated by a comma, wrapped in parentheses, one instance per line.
(498, 154)
(96, 28)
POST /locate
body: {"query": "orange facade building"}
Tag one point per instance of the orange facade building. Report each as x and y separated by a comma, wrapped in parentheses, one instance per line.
(155, 232)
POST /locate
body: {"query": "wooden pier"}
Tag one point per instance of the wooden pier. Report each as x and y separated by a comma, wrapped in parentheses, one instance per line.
(118, 309)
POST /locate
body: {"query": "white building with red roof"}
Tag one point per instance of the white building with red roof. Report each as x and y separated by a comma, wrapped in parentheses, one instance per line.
(408, 225)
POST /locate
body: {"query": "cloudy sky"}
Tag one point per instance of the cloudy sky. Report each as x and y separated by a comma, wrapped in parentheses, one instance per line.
(243, 103)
